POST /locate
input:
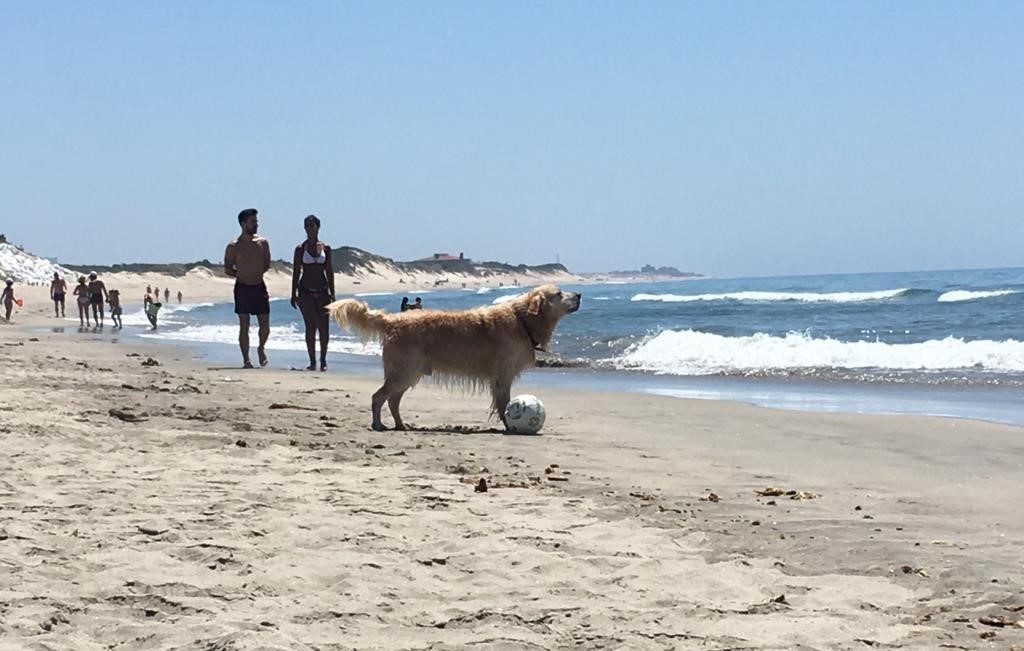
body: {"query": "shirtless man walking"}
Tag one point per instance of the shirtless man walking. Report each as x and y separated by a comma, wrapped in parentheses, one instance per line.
(246, 260)
(58, 288)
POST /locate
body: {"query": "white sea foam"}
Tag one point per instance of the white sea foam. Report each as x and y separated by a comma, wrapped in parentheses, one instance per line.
(183, 307)
(138, 317)
(166, 315)
(281, 338)
(375, 294)
(504, 288)
(687, 352)
(505, 299)
(806, 297)
(958, 295)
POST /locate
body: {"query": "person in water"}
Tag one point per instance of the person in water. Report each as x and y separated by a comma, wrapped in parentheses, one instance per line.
(313, 289)
(97, 294)
(114, 298)
(151, 307)
(81, 292)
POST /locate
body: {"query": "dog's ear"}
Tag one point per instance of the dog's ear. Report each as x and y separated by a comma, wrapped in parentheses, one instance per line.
(533, 307)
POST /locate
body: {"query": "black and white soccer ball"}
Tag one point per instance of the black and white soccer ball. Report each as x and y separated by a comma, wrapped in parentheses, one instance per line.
(524, 414)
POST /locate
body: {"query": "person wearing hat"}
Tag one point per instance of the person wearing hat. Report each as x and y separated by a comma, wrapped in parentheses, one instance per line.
(246, 259)
(7, 298)
(97, 296)
(81, 292)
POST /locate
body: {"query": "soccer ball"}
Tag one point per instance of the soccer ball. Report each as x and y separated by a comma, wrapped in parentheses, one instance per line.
(524, 414)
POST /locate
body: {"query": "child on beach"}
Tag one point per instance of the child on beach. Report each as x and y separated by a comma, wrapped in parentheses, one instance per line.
(114, 298)
(7, 298)
(151, 308)
(84, 297)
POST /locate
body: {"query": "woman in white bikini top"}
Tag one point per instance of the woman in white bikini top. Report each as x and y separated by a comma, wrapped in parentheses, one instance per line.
(313, 289)
(317, 259)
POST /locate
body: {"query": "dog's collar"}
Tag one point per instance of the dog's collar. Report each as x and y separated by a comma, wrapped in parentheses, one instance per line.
(522, 322)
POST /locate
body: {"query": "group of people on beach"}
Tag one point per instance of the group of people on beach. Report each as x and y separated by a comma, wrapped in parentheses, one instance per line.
(247, 259)
(151, 302)
(91, 295)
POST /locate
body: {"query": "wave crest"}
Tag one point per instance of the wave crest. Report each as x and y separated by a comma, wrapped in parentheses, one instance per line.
(505, 299)
(687, 352)
(753, 296)
(958, 295)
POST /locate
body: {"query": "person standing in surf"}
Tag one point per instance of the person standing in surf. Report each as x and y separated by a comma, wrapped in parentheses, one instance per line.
(313, 289)
(151, 307)
(81, 294)
(246, 259)
(97, 295)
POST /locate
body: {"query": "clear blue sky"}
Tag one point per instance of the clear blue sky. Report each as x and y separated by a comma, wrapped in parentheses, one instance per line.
(733, 138)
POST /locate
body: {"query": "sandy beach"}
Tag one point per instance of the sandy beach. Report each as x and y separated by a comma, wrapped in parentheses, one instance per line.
(167, 504)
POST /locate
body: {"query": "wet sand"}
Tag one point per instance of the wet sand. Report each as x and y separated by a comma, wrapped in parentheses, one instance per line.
(173, 506)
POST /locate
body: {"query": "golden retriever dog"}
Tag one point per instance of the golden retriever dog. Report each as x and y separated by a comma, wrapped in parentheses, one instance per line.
(483, 348)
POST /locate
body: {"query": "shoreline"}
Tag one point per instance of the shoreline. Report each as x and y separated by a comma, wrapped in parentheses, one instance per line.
(988, 399)
(287, 528)
(982, 402)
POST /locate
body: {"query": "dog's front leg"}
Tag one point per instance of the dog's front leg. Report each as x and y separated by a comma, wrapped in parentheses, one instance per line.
(501, 392)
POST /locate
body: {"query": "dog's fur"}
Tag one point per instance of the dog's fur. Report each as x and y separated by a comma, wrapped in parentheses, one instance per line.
(485, 348)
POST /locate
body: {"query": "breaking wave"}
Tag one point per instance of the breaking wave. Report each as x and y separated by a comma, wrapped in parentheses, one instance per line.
(687, 352)
(959, 295)
(505, 299)
(752, 296)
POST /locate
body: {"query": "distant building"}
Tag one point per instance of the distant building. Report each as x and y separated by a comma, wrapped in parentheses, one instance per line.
(444, 257)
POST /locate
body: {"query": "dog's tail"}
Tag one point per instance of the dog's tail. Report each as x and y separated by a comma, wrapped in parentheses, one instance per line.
(356, 315)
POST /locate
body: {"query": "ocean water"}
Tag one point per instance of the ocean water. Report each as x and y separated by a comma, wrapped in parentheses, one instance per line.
(856, 335)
